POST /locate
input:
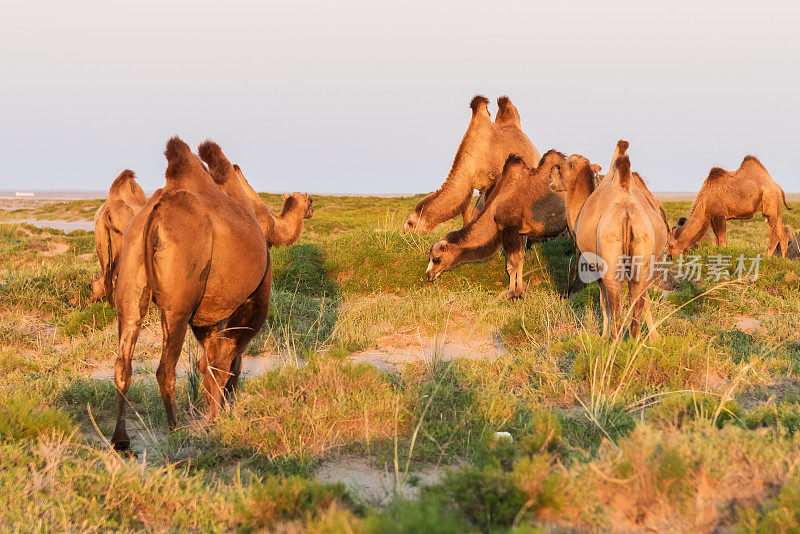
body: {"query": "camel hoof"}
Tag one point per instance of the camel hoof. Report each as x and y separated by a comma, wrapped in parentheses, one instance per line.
(122, 444)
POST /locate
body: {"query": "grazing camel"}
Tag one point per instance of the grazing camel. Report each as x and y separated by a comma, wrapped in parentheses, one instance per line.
(624, 234)
(729, 195)
(199, 248)
(520, 203)
(477, 165)
(125, 199)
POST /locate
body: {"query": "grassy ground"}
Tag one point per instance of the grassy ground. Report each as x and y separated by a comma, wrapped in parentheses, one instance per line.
(696, 431)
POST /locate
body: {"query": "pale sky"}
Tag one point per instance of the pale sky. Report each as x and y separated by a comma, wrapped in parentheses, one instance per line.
(372, 97)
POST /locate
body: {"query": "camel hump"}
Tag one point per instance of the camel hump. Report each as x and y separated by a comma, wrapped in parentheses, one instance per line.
(624, 172)
(120, 182)
(178, 155)
(507, 114)
(511, 161)
(212, 155)
(716, 172)
(478, 102)
(751, 159)
(622, 147)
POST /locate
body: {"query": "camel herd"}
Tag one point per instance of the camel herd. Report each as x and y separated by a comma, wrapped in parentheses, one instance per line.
(199, 248)
(612, 218)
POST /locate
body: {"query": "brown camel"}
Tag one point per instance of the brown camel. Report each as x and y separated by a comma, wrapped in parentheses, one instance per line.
(477, 165)
(620, 233)
(125, 199)
(576, 178)
(199, 247)
(520, 203)
(739, 194)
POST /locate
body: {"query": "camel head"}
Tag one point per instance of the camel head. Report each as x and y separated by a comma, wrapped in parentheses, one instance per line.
(298, 203)
(563, 177)
(415, 223)
(674, 244)
(442, 257)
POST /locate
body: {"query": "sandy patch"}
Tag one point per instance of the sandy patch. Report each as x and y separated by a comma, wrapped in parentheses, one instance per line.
(373, 484)
(393, 352)
(252, 366)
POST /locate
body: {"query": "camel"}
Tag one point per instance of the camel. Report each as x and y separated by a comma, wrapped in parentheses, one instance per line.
(125, 199)
(477, 164)
(288, 226)
(737, 194)
(519, 204)
(624, 234)
(199, 249)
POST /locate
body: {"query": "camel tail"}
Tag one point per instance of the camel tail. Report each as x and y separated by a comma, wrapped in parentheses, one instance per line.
(627, 236)
(783, 194)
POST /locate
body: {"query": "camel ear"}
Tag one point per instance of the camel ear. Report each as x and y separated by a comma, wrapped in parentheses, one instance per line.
(443, 246)
(596, 168)
(285, 196)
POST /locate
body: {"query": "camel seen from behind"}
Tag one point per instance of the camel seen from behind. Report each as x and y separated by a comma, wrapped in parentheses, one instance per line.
(125, 199)
(620, 235)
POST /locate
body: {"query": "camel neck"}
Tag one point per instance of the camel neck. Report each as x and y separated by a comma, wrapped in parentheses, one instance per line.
(450, 200)
(288, 226)
(694, 228)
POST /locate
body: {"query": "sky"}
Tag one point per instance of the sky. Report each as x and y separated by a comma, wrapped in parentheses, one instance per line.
(372, 97)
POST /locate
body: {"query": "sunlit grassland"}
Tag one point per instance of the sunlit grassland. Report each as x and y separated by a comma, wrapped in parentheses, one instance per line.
(695, 431)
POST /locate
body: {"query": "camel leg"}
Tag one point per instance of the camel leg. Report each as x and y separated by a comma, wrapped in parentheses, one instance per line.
(221, 353)
(777, 236)
(128, 334)
(603, 306)
(173, 329)
(719, 225)
(246, 322)
(512, 246)
(640, 301)
(613, 294)
(573, 272)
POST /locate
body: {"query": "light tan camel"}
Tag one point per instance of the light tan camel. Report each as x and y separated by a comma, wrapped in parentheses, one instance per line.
(620, 234)
(478, 163)
(520, 203)
(199, 248)
(125, 199)
(739, 194)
